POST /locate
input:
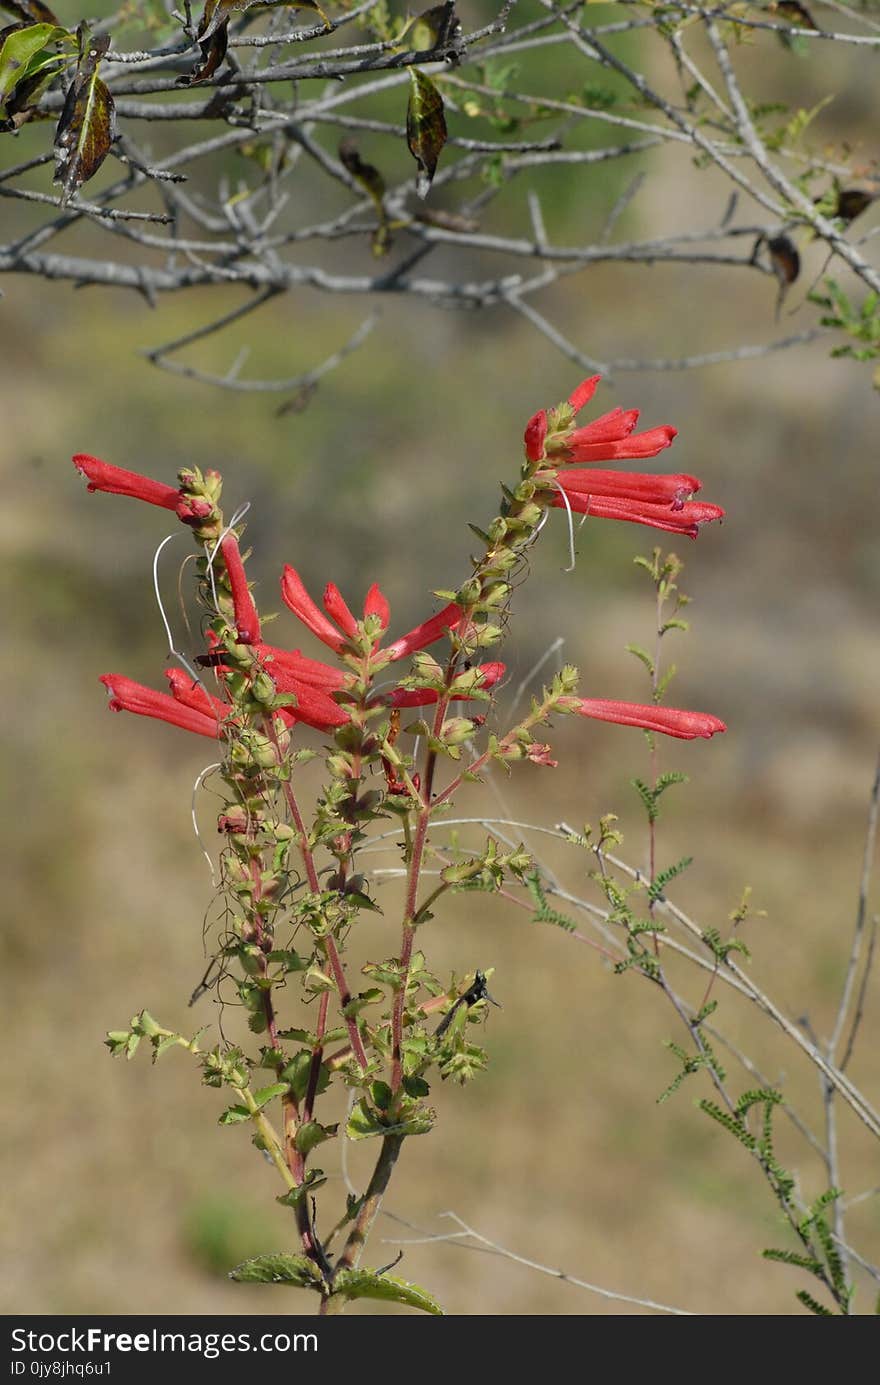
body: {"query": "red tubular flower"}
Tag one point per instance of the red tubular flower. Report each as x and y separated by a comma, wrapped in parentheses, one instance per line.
(127, 695)
(685, 520)
(311, 682)
(102, 476)
(687, 726)
(583, 446)
(195, 695)
(246, 618)
(536, 432)
(608, 438)
(584, 393)
(296, 597)
(423, 635)
(670, 490)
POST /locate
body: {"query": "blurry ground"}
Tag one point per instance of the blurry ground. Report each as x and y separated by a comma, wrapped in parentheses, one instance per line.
(125, 1195)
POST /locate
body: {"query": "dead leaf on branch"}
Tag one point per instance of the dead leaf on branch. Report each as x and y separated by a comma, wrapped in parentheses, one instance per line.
(370, 179)
(438, 27)
(87, 127)
(425, 127)
(212, 34)
(31, 11)
(219, 12)
(786, 265)
(795, 13)
(213, 50)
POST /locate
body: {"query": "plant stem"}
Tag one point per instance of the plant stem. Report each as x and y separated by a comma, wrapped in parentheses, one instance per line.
(351, 1254)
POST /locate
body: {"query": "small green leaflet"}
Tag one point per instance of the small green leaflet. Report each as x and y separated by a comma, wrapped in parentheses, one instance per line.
(295, 1270)
(368, 1284)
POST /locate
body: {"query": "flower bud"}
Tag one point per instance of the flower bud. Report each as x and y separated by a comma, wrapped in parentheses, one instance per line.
(251, 958)
(469, 593)
(457, 730)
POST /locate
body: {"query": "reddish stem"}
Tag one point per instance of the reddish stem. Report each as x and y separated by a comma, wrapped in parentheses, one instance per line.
(328, 944)
(317, 1058)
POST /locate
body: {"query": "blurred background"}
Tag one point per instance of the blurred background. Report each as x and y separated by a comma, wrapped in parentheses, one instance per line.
(125, 1195)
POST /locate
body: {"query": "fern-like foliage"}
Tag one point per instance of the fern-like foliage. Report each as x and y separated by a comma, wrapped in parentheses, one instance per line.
(544, 913)
(657, 887)
(813, 1304)
(651, 796)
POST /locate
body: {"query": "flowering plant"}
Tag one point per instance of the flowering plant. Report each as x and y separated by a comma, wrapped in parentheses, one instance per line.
(295, 893)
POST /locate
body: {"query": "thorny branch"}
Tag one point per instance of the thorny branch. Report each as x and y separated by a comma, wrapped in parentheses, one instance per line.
(258, 205)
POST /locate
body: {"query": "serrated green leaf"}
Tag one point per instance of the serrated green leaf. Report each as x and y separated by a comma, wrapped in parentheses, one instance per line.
(298, 1071)
(234, 1115)
(416, 1087)
(267, 1094)
(363, 1122)
(312, 1181)
(381, 1094)
(385, 1287)
(311, 1134)
(295, 1270)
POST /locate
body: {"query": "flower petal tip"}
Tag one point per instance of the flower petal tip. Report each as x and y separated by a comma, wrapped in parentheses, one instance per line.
(584, 392)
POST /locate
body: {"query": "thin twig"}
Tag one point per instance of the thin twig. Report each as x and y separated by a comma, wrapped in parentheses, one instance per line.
(467, 1234)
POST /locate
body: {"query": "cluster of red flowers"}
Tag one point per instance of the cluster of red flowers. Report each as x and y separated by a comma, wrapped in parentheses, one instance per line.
(319, 688)
(660, 501)
(190, 706)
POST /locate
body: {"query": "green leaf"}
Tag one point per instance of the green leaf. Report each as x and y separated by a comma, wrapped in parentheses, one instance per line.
(288, 959)
(312, 1134)
(386, 1287)
(278, 1269)
(234, 1115)
(359, 1002)
(267, 1094)
(19, 48)
(312, 1181)
(86, 129)
(121, 1041)
(416, 1086)
(382, 1095)
(362, 1123)
(298, 1071)
(425, 127)
(41, 72)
